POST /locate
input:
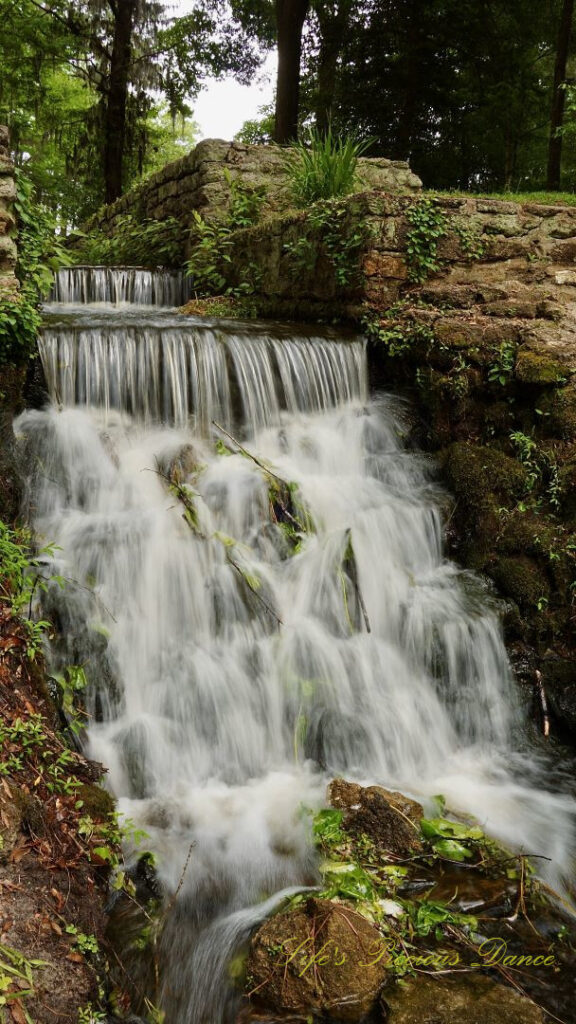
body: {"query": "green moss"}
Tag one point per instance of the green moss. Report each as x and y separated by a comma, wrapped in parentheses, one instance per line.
(477, 475)
(525, 533)
(98, 803)
(523, 580)
(534, 368)
(559, 412)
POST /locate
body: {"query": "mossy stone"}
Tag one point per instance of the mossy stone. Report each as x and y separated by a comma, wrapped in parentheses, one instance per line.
(522, 580)
(559, 410)
(478, 474)
(535, 368)
(98, 802)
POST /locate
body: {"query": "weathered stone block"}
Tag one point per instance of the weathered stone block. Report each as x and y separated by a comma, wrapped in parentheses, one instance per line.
(385, 266)
(7, 189)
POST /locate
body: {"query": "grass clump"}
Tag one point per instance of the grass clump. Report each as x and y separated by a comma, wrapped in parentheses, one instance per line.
(323, 167)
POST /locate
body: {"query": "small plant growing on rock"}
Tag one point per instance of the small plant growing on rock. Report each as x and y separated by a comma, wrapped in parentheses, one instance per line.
(323, 167)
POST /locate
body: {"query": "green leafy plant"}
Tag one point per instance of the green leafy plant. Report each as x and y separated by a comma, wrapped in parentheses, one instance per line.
(20, 579)
(135, 241)
(323, 167)
(331, 233)
(212, 250)
(451, 839)
(501, 368)
(397, 338)
(40, 253)
(71, 682)
(427, 226)
(17, 979)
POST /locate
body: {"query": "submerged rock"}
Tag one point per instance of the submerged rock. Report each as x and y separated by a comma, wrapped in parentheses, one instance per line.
(321, 958)
(459, 1000)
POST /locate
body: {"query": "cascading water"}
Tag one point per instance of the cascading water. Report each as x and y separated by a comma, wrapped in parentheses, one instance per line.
(261, 639)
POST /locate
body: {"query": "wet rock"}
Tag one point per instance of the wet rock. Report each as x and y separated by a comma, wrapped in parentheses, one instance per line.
(390, 820)
(322, 959)
(184, 464)
(559, 679)
(470, 1000)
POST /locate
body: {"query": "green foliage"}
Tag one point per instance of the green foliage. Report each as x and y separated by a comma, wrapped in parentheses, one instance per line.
(28, 737)
(527, 452)
(72, 682)
(213, 243)
(40, 253)
(147, 243)
(329, 232)
(88, 1015)
(327, 827)
(427, 227)
(86, 944)
(541, 470)
(501, 368)
(17, 979)
(470, 239)
(451, 839)
(398, 338)
(325, 167)
(57, 79)
(20, 580)
(258, 131)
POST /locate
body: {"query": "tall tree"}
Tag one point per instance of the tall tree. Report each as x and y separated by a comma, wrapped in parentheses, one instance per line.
(333, 18)
(81, 80)
(123, 13)
(290, 18)
(559, 94)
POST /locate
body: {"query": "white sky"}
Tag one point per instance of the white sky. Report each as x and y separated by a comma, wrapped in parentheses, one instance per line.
(222, 107)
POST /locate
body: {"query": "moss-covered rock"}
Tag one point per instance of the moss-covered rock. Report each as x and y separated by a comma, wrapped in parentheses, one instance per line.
(522, 580)
(478, 474)
(559, 412)
(536, 368)
(98, 802)
(469, 1000)
(317, 960)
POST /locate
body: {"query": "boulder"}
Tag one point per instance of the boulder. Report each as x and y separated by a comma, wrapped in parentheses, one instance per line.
(321, 959)
(472, 999)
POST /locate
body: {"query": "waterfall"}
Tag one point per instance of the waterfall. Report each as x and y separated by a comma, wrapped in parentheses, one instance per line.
(127, 284)
(247, 641)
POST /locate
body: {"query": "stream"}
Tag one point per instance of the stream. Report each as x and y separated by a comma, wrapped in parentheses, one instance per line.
(261, 602)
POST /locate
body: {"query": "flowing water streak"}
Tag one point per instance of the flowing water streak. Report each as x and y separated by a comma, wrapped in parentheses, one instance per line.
(238, 674)
(128, 284)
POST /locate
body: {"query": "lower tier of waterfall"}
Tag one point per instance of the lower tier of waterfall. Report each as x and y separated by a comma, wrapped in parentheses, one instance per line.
(257, 617)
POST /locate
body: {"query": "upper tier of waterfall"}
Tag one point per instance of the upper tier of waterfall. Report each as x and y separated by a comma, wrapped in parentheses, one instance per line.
(117, 285)
(163, 367)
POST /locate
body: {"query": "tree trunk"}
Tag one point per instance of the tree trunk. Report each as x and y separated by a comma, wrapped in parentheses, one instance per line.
(559, 95)
(290, 17)
(115, 114)
(333, 25)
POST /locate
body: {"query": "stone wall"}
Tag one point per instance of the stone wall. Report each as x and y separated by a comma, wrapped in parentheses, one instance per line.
(8, 282)
(198, 181)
